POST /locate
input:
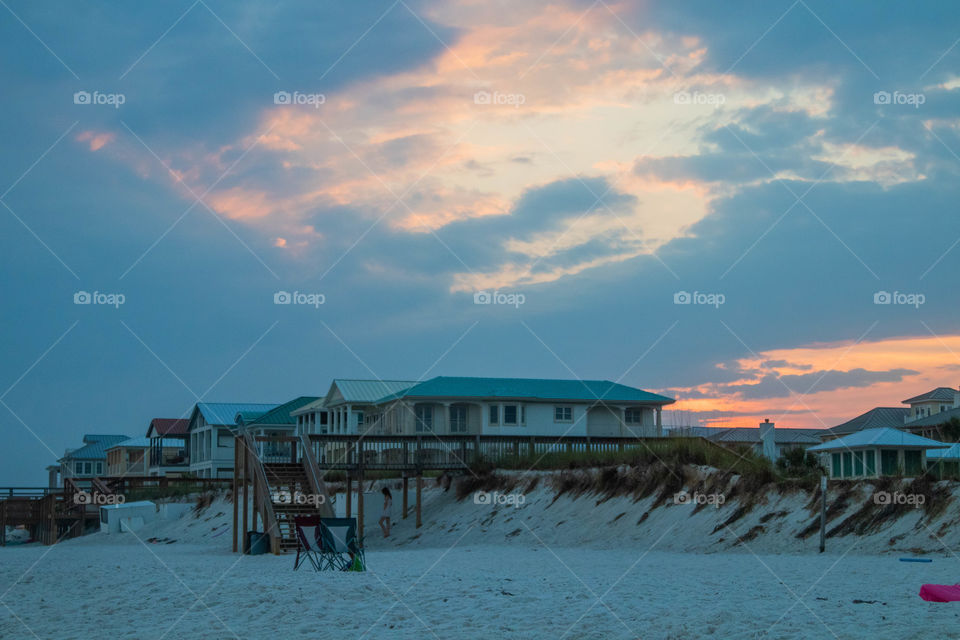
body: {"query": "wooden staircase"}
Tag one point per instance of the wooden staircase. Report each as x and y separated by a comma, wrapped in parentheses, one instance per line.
(284, 490)
(290, 491)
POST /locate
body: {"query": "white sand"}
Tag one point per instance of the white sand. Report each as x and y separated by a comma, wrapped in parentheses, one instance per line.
(478, 572)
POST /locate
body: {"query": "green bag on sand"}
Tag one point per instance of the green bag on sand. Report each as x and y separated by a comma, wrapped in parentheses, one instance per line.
(356, 565)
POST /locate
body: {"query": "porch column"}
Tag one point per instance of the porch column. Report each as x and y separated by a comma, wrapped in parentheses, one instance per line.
(659, 416)
(349, 424)
(446, 417)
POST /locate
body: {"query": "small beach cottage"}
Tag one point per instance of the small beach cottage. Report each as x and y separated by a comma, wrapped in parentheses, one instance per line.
(518, 406)
(90, 460)
(276, 422)
(872, 453)
(211, 435)
(168, 447)
(128, 458)
(945, 463)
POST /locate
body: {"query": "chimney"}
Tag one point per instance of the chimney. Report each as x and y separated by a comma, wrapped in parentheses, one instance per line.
(767, 439)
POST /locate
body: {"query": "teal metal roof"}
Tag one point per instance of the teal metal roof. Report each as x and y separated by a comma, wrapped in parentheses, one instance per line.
(96, 449)
(225, 413)
(953, 453)
(281, 414)
(533, 388)
(369, 391)
(885, 437)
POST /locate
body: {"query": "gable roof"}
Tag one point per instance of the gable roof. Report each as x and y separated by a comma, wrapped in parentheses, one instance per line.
(368, 391)
(168, 426)
(95, 448)
(940, 394)
(533, 388)
(280, 414)
(225, 413)
(875, 418)
(884, 437)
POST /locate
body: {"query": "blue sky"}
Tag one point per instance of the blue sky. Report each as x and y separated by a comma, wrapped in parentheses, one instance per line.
(784, 160)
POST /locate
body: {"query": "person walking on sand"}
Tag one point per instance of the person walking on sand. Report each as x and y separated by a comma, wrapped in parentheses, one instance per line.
(387, 512)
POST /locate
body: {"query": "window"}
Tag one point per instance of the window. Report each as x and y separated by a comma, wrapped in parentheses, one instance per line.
(871, 463)
(78, 468)
(563, 414)
(633, 416)
(889, 463)
(494, 414)
(912, 464)
(847, 464)
(360, 421)
(424, 417)
(858, 463)
(837, 470)
(458, 418)
(224, 438)
(510, 414)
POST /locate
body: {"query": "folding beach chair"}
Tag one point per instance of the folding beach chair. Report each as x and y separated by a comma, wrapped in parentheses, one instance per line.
(308, 541)
(338, 540)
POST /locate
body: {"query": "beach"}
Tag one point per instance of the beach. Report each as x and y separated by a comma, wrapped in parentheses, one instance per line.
(564, 568)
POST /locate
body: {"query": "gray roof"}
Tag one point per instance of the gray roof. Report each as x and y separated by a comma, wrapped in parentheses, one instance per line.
(940, 394)
(780, 436)
(877, 417)
(934, 419)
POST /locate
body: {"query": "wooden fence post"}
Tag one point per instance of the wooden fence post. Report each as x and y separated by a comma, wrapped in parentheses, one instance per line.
(236, 494)
(349, 507)
(406, 486)
(419, 498)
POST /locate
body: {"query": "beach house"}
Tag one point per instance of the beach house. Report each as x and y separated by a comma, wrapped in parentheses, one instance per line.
(168, 447)
(90, 460)
(279, 421)
(876, 452)
(346, 405)
(515, 406)
(780, 440)
(211, 435)
(876, 418)
(128, 458)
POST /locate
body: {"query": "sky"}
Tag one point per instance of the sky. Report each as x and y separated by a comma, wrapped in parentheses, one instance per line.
(750, 207)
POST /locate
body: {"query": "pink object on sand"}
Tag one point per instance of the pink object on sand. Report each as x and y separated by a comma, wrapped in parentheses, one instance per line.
(940, 592)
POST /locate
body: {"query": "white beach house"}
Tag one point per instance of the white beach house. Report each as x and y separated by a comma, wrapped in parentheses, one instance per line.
(347, 404)
(211, 435)
(515, 406)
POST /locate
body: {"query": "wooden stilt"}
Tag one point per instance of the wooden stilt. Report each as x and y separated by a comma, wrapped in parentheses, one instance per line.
(406, 486)
(349, 507)
(237, 443)
(246, 502)
(419, 500)
(360, 506)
